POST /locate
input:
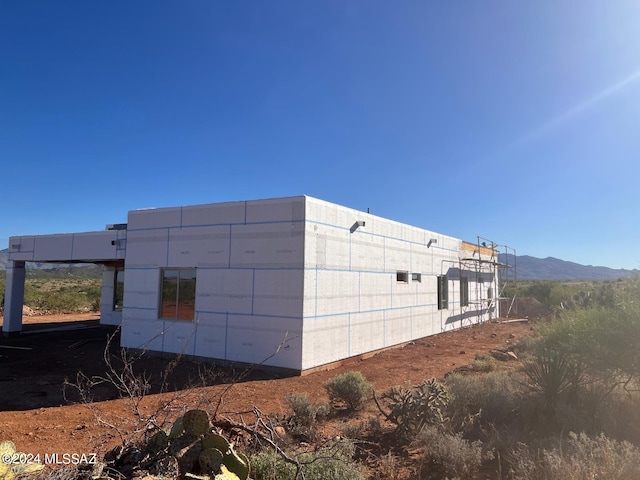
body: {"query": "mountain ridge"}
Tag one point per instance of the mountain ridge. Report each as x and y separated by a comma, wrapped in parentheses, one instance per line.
(551, 268)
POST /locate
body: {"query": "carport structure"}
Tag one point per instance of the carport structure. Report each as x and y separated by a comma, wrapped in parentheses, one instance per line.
(102, 247)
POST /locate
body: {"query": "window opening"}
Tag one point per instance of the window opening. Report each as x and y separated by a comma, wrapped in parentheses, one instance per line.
(443, 292)
(118, 289)
(464, 292)
(178, 296)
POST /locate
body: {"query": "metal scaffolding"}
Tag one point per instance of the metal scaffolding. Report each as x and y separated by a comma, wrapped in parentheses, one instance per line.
(495, 270)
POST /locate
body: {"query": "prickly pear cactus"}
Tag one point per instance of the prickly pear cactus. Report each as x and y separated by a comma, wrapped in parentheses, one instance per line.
(9, 471)
(214, 440)
(158, 442)
(179, 445)
(210, 460)
(196, 449)
(226, 475)
(6, 448)
(196, 422)
(176, 429)
(237, 463)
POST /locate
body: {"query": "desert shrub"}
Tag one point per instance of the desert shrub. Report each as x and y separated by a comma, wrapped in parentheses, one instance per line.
(410, 409)
(599, 346)
(553, 375)
(524, 346)
(492, 398)
(349, 388)
(354, 430)
(551, 293)
(323, 410)
(451, 454)
(621, 417)
(333, 462)
(580, 458)
(598, 410)
(375, 429)
(305, 413)
(388, 467)
(603, 341)
(482, 363)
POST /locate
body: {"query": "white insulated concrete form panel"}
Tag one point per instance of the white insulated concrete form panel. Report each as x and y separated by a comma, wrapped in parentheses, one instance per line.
(152, 218)
(225, 290)
(201, 246)
(267, 245)
(216, 214)
(147, 248)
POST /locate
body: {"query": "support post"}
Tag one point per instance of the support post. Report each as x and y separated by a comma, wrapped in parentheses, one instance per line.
(13, 297)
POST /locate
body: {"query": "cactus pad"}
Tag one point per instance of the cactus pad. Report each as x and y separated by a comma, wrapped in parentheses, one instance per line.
(226, 474)
(196, 422)
(213, 440)
(158, 442)
(8, 471)
(176, 429)
(7, 448)
(210, 460)
(237, 463)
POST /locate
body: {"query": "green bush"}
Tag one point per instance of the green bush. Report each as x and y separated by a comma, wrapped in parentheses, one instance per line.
(305, 414)
(492, 398)
(354, 431)
(451, 454)
(606, 340)
(349, 388)
(332, 463)
(482, 363)
(580, 458)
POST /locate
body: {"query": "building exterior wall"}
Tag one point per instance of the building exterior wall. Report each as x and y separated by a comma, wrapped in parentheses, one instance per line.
(249, 266)
(353, 301)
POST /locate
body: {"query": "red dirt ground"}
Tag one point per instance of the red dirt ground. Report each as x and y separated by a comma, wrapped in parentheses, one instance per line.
(36, 417)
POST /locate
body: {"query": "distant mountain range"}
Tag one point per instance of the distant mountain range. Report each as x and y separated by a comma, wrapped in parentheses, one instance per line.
(532, 268)
(527, 268)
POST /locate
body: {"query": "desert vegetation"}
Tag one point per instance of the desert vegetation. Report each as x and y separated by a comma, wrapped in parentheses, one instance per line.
(60, 290)
(565, 404)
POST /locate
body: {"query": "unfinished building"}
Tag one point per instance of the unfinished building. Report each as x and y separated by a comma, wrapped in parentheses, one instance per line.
(295, 283)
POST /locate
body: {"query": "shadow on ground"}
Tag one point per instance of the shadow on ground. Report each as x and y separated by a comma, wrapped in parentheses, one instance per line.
(36, 364)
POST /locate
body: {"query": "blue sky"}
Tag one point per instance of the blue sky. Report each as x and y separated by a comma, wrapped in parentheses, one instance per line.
(518, 121)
